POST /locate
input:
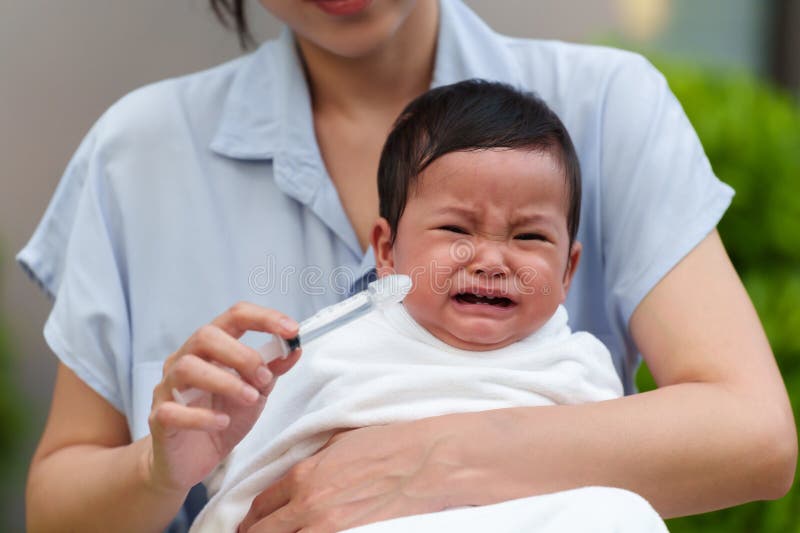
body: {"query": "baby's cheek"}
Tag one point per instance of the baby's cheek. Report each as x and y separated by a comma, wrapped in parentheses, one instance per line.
(425, 293)
(535, 277)
(528, 280)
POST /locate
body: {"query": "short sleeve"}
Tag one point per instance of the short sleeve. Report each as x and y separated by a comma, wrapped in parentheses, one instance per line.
(659, 195)
(73, 255)
(43, 256)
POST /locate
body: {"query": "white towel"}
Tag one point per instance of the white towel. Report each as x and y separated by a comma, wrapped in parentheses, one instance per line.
(584, 510)
(385, 368)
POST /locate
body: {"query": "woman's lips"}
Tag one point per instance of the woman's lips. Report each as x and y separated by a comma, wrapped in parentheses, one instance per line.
(342, 7)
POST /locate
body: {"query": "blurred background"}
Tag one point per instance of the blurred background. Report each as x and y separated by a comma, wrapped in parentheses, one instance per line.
(734, 65)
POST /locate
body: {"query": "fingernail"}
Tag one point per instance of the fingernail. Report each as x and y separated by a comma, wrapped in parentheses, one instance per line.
(288, 324)
(263, 375)
(249, 393)
(222, 421)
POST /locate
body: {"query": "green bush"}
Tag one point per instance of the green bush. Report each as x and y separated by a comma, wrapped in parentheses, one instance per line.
(751, 133)
(11, 421)
(16, 435)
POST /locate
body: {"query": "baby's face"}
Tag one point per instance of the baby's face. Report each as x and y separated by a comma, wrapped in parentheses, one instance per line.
(484, 238)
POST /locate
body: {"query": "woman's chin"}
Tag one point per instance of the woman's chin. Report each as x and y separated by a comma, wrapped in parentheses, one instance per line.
(350, 43)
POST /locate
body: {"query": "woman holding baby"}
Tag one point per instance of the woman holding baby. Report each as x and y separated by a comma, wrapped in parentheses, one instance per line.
(275, 155)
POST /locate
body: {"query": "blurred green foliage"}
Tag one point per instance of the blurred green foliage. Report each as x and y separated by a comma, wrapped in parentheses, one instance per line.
(12, 423)
(15, 431)
(751, 133)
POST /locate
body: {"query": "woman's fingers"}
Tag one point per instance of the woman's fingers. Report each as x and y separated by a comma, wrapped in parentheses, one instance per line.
(191, 377)
(191, 371)
(219, 342)
(280, 366)
(214, 344)
(274, 498)
(245, 316)
(171, 416)
(214, 361)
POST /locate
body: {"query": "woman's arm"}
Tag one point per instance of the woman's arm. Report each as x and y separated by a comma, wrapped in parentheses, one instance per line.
(698, 328)
(719, 431)
(87, 475)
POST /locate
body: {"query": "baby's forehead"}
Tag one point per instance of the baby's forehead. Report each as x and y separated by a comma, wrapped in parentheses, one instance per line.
(454, 171)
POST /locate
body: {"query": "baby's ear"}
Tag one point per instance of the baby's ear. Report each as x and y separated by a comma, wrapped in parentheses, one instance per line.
(572, 265)
(381, 241)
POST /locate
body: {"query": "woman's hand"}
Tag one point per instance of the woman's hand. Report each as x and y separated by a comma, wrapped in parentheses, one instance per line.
(189, 441)
(361, 476)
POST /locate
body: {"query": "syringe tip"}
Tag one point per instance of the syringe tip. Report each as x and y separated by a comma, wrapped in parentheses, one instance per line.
(389, 289)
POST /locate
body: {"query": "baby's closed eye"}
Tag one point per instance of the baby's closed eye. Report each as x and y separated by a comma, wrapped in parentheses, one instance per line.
(454, 229)
(530, 237)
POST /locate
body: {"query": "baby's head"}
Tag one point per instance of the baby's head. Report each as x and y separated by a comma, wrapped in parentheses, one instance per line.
(479, 200)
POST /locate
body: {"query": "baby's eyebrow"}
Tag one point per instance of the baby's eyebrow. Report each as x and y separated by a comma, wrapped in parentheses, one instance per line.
(536, 218)
(456, 210)
(470, 214)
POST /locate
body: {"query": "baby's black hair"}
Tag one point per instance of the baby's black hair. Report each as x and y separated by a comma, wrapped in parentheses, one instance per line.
(467, 116)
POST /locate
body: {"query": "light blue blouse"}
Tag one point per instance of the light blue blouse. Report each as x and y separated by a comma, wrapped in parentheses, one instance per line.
(193, 193)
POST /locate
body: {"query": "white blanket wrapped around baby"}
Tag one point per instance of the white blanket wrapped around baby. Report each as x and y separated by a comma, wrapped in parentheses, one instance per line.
(385, 368)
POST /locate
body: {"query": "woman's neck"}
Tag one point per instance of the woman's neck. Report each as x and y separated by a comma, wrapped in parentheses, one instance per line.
(386, 78)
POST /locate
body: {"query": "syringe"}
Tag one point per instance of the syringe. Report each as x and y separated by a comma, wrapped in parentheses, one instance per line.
(381, 292)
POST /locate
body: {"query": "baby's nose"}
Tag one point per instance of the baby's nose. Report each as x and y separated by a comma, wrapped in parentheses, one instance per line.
(492, 271)
(489, 260)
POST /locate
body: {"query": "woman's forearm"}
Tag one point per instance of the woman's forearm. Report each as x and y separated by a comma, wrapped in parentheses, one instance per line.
(687, 448)
(94, 488)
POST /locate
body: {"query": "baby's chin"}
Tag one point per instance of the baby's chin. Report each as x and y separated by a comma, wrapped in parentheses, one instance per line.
(483, 341)
(466, 331)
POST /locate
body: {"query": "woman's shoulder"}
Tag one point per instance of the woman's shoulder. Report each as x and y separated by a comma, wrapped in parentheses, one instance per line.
(180, 104)
(561, 57)
(591, 87)
(560, 71)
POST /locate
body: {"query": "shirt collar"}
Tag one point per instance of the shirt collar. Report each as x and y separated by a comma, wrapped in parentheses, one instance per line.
(268, 106)
(267, 116)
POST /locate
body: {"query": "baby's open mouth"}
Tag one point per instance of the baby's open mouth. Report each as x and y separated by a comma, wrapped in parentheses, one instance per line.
(472, 298)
